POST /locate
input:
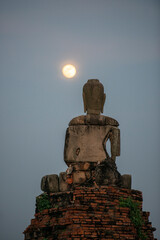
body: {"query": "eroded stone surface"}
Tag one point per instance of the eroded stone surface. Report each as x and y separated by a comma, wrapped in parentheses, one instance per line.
(93, 119)
(80, 166)
(50, 183)
(106, 174)
(115, 143)
(126, 181)
(93, 97)
(63, 186)
(79, 177)
(87, 143)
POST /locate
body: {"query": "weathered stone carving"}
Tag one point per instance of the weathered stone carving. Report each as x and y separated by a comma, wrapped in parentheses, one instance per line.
(93, 97)
(63, 186)
(85, 153)
(87, 143)
(86, 136)
(93, 119)
(106, 174)
(49, 183)
(126, 181)
(79, 177)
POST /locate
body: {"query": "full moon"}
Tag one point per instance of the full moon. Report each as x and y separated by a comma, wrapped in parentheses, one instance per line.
(69, 71)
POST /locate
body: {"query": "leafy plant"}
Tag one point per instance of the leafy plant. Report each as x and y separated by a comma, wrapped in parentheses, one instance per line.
(134, 215)
(42, 202)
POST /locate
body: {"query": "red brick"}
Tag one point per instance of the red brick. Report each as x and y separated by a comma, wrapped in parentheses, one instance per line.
(75, 220)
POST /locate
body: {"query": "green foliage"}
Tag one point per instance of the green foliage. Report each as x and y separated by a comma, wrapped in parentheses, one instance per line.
(42, 202)
(135, 215)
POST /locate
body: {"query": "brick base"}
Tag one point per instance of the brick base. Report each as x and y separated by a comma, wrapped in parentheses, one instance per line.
(88, 213)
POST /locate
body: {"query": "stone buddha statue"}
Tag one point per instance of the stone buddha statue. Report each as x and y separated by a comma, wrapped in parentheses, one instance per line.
(85, 150)
(87, 135)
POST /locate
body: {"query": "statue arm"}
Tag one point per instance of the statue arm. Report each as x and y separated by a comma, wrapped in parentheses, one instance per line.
(115, 143)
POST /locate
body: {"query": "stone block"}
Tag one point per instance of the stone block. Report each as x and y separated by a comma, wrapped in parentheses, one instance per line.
(88, 174)
(106, 174)
(79, 177)
(85, 143)
(86, 166)
(80, 166)
(63, 186)
(126, 181)
(50, 183)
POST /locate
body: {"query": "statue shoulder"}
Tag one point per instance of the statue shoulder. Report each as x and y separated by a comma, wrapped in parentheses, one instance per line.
(80, 120)
(93, 119)
(111, 121)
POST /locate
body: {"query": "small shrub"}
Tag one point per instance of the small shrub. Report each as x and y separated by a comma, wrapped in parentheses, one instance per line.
(42, 202)
(134, 215)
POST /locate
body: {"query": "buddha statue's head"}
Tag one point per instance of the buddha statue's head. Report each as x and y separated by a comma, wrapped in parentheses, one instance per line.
(93, 97)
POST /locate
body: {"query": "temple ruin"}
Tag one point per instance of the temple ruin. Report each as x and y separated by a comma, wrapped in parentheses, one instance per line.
(91, 200)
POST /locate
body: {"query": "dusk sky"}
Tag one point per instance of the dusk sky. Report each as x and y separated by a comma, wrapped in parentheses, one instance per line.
(115, 41)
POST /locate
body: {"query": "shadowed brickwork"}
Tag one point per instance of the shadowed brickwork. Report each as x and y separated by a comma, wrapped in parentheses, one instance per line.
(88, 213)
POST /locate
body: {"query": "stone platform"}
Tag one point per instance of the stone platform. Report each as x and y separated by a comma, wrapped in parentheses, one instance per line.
(87, 213)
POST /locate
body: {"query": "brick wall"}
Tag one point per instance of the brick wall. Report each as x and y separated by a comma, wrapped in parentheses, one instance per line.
(88, 213)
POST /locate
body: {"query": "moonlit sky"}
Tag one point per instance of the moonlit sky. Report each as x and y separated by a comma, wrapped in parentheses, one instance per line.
(115, 41)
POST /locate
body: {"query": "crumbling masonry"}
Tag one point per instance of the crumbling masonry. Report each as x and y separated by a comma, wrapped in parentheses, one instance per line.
(91, 200)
